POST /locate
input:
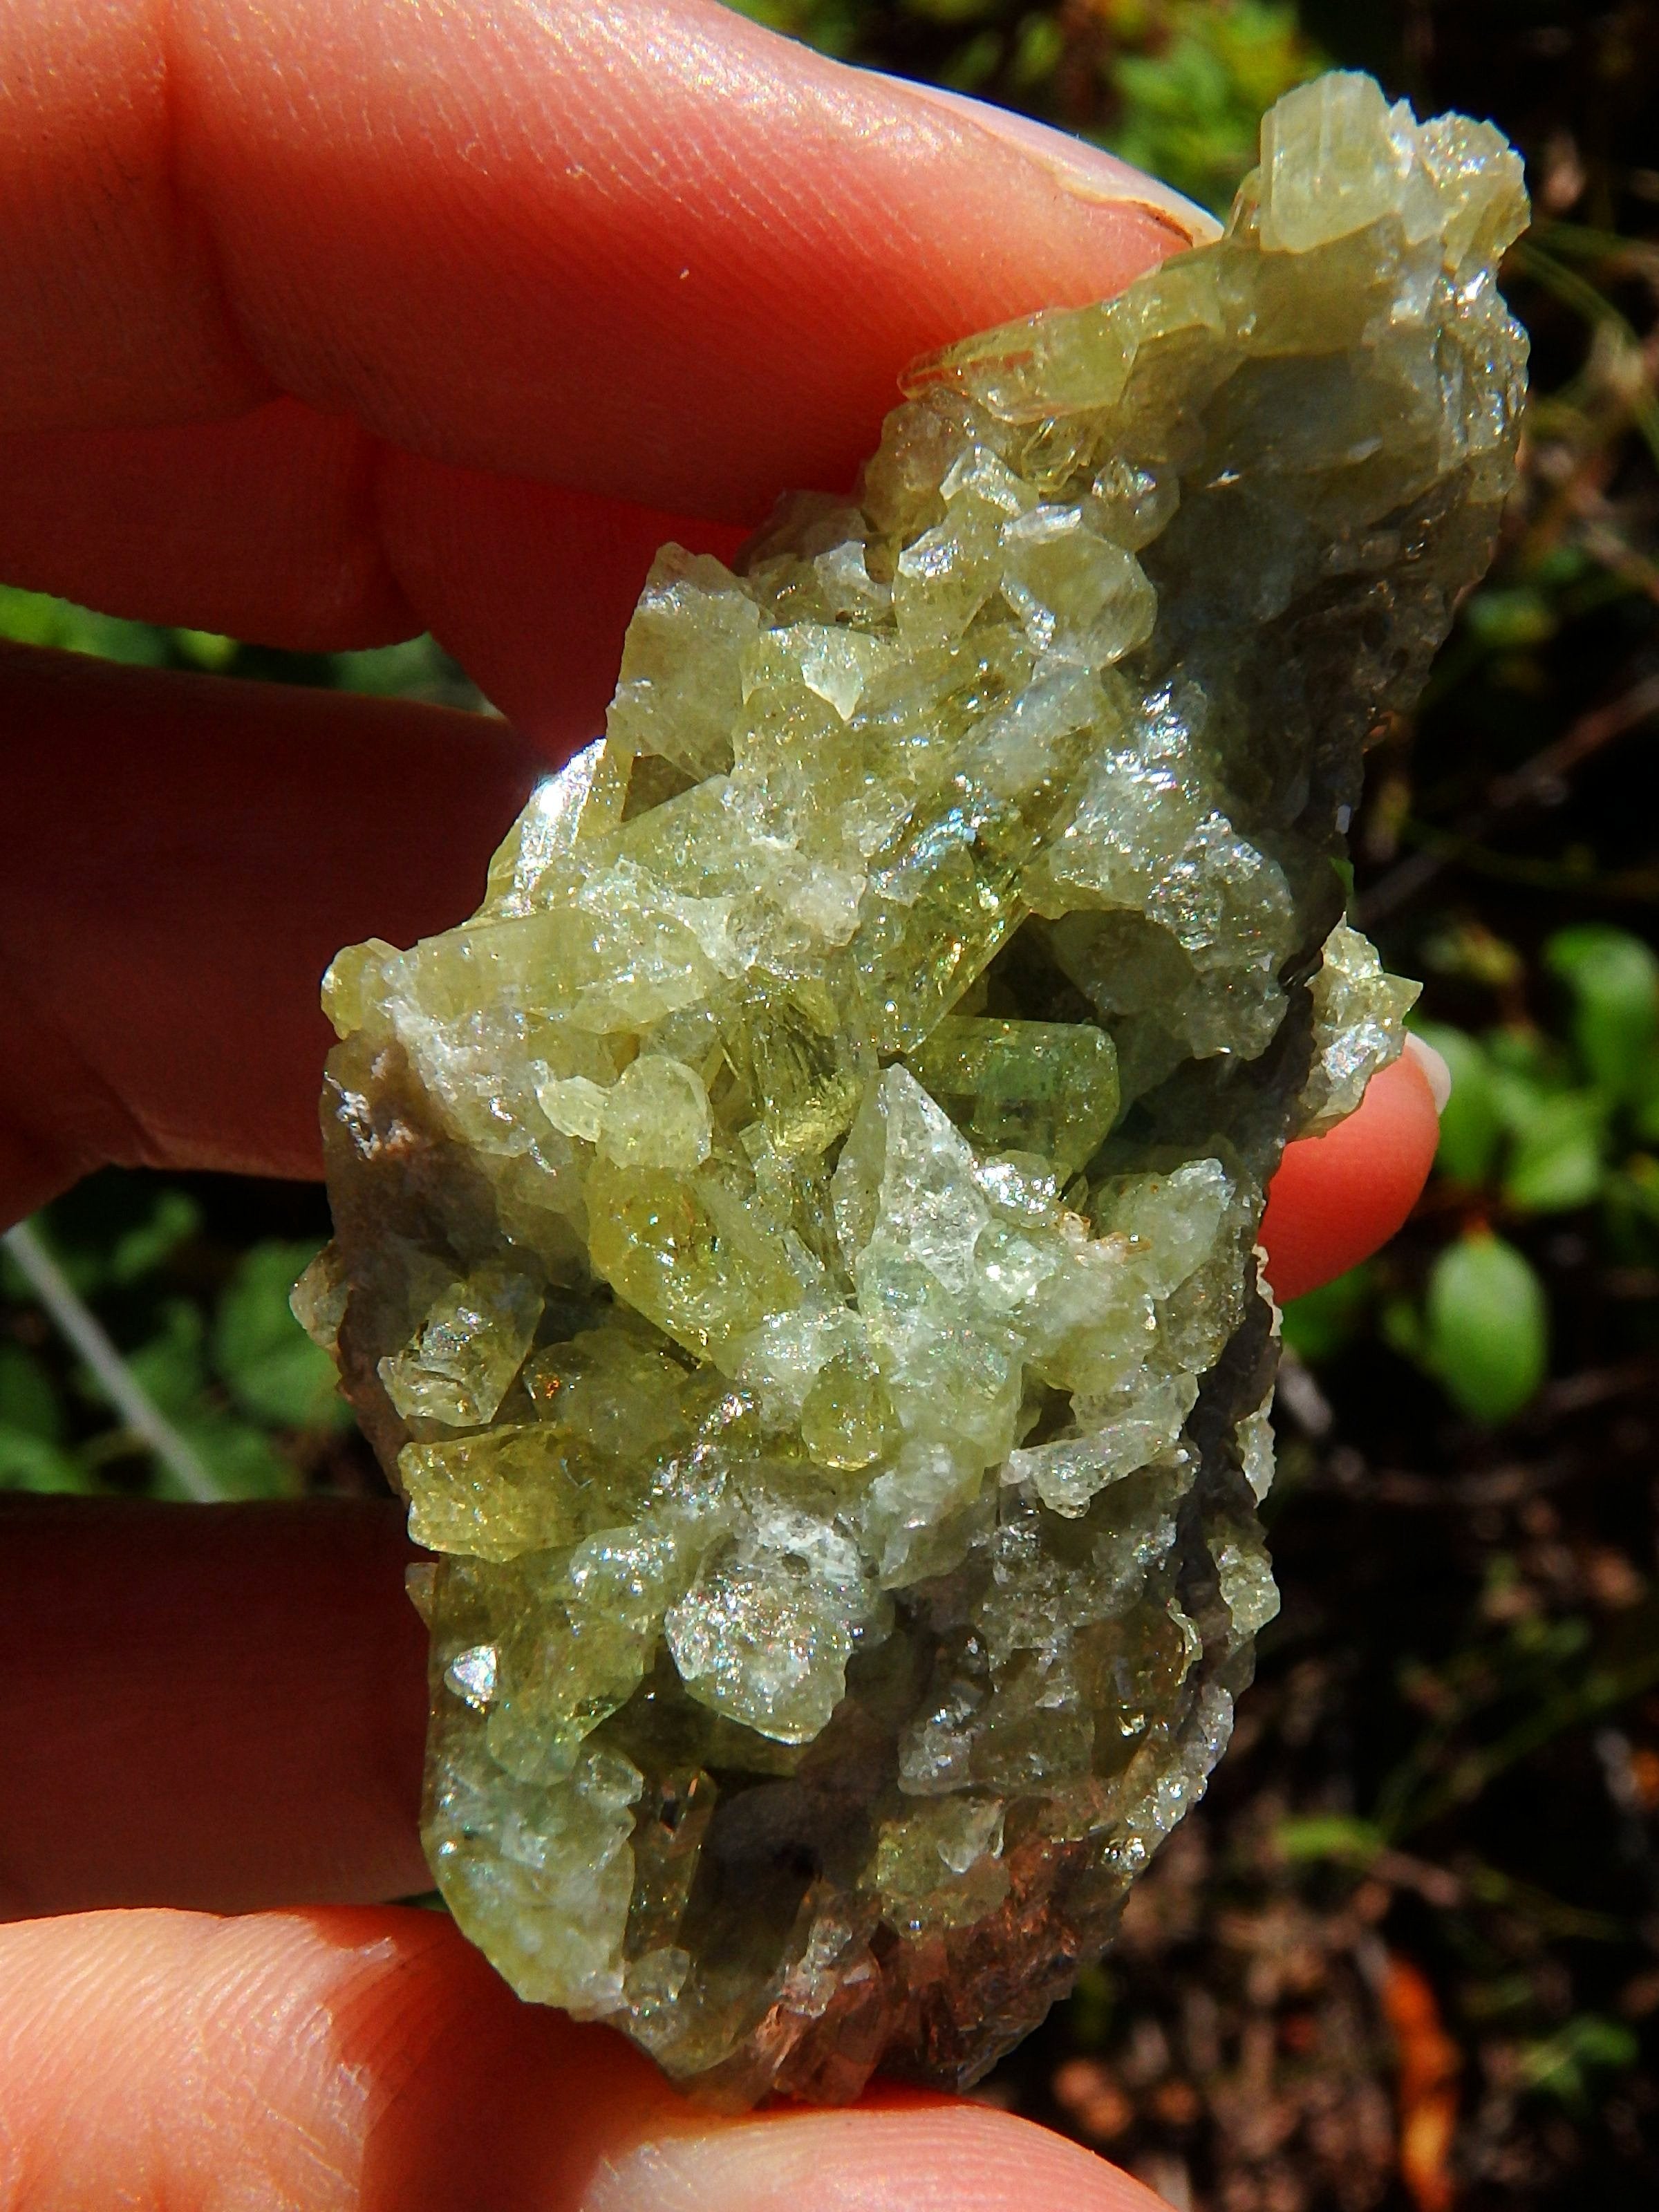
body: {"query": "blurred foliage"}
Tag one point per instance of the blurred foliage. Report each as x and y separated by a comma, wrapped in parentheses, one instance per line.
(197, 1314)
(1407, 1955)
(414, 668)
(1542, 1120)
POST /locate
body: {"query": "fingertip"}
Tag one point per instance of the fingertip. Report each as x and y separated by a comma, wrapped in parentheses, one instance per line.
(935, 2156)
(1083, 170)
(1436, 1068)
(371, 2061)
(1337, 1198)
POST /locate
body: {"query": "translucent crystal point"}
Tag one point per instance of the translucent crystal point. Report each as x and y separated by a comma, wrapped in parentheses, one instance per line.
(795, 1244)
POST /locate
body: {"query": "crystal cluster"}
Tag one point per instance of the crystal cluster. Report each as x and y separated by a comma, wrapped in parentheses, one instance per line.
(796, 1244)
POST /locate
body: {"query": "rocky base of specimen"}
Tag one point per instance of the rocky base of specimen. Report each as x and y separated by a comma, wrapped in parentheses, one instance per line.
(796, 1244)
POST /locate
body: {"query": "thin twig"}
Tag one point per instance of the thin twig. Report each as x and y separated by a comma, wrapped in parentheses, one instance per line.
(112, 1373)
(1602, 1691)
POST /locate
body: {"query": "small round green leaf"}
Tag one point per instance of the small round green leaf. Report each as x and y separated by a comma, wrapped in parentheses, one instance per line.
(1486, 1327)
(1509, 621)
(1557, 1161)
(1613, 978)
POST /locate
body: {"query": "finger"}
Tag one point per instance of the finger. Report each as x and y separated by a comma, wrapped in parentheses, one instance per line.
(1337, 1198)
(219, 1706)
(289, 527)
(196, 852)
(266, 527)
(370, 2062)
(650, 249)
(531, 586)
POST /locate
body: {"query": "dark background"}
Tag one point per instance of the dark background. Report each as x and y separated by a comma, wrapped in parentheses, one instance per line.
(1407, 1954)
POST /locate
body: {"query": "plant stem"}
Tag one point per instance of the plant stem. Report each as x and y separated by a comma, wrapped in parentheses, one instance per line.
(110, 1370)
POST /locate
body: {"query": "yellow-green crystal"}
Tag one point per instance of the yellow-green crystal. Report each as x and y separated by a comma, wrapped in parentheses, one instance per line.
(795, 1244)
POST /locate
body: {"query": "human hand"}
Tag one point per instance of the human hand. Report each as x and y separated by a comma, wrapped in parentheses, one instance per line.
(323, 325)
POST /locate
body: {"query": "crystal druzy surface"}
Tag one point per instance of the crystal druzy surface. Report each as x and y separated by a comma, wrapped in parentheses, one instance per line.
(796, 1244)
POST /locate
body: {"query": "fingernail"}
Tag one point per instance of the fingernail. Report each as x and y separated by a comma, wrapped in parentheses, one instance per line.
(1436, 1073)
(1087, 172)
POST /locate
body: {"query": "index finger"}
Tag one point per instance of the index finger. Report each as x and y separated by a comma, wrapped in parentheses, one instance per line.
(649, 249)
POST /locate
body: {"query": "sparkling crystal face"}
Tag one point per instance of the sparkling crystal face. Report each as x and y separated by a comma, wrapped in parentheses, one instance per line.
(795, 1244)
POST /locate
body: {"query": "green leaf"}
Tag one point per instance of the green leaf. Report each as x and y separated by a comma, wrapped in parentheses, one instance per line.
(416, 668)
(37, 618)
(1520, 1094)
(1470, 1129)
(974, 64)
(238, 1456)
(1557, 1158)
(1090, 2008)
(271, 1366)
(1329, 1836)
(1189, 109)
(1039, 49)
(28, 618)
(114, 1228)
(1600, 2042)
(29, 1462)
(1518, 1049)
(171, 1368)
(1325, 1321)
(205, 649)
(1613, 978)
(1485, 1327)
(30, 1405)
(1588, 2044)
(1561, 566)
(1508, 621)
(174, 1217)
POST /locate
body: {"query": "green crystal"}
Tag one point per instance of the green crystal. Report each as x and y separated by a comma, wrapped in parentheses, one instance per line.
(1048, 1088)
(796, 1243)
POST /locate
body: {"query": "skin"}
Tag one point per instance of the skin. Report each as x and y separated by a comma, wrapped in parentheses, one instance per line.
(324, 323)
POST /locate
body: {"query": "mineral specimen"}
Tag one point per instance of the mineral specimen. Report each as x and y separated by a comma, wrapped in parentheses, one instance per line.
(796, 1243)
